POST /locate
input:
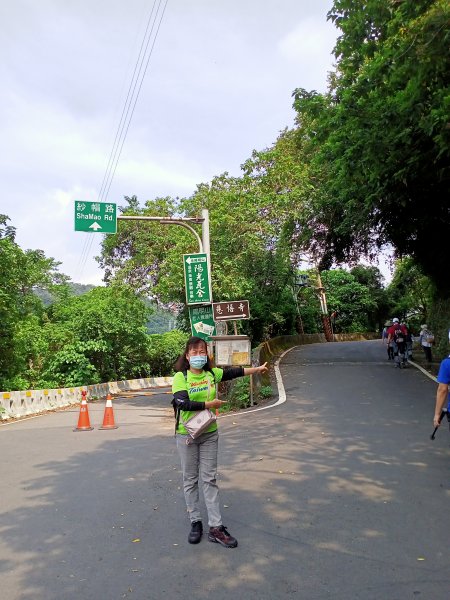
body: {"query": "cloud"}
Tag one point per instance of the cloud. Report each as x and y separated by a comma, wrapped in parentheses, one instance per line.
(219, 85)
(309, 46)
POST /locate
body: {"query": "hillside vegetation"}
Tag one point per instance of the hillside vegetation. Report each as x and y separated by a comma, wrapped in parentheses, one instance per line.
(365, 170)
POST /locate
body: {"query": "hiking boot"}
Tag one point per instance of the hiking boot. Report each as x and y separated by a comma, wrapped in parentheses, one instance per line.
(195, 535)
(221, 536)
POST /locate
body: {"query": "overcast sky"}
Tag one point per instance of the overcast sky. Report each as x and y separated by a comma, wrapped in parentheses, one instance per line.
(219, 85)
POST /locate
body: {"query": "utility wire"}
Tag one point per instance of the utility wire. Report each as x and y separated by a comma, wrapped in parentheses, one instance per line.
(126, 117)
(88, 239)
(125, 122)
(126, 104)
(136, 99)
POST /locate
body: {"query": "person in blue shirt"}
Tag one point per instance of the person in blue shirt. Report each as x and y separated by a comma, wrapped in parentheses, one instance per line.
(442, 394)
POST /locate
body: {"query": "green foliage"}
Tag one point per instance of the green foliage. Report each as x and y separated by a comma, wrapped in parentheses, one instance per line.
(250, 257)
(350, 299)
(379, 142)
(20, 273)
(357, 297)
(265, 392)
(239, 394)
(439, 323)
(366, 165)
(414, 298)
(411, 294)
(372, 279)
(48, 296)
(164, 350)
(161, 320)
(107, 327)
(72, 366)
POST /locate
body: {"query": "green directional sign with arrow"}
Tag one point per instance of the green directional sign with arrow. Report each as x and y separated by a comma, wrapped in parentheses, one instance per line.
(98, 217)
(196, 278)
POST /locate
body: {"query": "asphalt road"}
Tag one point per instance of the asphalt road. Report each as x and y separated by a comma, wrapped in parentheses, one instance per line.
(336, 494)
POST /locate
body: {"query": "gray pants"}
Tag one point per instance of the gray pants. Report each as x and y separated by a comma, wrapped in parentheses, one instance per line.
(199, 460)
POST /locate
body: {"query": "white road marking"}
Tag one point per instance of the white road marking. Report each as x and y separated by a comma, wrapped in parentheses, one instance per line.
(280, 386)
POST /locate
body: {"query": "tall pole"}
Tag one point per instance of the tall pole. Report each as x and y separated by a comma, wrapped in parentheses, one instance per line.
(206, 244)
(205, 231)
(296, 287)
(324, 309)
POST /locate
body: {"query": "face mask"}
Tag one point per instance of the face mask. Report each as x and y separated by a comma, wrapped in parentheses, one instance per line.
(198, 362)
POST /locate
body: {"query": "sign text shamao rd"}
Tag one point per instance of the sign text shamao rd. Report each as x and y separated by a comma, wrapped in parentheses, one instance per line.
(98, 217)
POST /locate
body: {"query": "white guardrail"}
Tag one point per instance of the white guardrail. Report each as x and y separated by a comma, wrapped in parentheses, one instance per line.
(14, 405)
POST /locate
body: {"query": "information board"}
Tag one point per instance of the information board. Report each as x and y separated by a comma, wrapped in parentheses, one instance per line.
(233, 353)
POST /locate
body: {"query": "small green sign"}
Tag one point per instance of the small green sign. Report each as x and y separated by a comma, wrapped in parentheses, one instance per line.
(98, 217)
(196, 278)
(202, 323)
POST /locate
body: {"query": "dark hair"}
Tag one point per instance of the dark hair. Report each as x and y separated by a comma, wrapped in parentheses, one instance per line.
(182, 363)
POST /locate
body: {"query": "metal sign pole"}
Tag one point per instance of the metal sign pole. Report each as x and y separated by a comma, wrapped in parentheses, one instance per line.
(181, 221)
(207, 245)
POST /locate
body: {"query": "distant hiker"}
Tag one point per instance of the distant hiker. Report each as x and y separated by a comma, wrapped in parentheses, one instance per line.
(409, 341)
(384, 337)
(397, 337)
(426, 341)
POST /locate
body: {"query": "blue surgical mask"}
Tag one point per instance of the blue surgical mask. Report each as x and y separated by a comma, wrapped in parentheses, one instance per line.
(198, 362)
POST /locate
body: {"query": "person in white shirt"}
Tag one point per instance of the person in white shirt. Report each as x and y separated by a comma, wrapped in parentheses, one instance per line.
(426, 341)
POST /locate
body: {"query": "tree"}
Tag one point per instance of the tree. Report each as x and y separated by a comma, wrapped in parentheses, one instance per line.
(379, 141)
(250, 255)
(99, 336)
(351, 301)
(21, 272)
(410, 293)
(371, 278)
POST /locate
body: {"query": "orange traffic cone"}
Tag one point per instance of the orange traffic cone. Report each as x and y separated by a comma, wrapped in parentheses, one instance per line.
(84, 423)
(108, 417)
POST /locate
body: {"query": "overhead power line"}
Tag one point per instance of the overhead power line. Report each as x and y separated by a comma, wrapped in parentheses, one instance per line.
(134, 89)
(130, 95)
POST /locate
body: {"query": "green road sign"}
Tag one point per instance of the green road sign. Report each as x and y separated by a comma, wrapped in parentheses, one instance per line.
(202, 323)
(196, 278)
(98, 217)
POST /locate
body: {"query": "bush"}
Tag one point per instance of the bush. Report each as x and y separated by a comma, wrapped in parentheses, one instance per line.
(265, 392)
(163, 351)
(239, 394)
(439, 323)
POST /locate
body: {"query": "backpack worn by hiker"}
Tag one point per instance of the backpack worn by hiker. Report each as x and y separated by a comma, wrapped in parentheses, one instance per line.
(399, 336)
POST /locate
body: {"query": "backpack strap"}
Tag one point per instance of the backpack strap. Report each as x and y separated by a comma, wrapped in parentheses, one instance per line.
(177, 409)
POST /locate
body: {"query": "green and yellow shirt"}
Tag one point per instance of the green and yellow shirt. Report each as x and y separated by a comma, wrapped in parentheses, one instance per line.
(193, 388)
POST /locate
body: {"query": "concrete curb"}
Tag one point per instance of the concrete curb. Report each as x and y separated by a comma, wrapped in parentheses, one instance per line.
(26, 403)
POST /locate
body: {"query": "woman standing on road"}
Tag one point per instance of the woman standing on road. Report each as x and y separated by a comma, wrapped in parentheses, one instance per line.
(193, 390)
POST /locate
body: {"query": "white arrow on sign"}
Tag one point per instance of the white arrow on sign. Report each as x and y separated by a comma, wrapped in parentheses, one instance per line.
(95, 226)
(196, 259)
(230, 317)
